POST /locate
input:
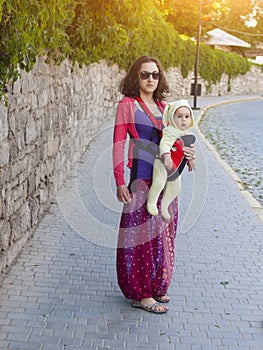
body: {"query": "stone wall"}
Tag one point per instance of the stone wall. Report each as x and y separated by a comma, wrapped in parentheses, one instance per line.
(53, 113)
(248, 84)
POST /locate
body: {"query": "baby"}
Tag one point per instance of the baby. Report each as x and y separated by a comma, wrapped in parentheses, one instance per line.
(177, 119)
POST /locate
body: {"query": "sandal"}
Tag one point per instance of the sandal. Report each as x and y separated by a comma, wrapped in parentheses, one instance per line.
(162, 299)
(150, 308)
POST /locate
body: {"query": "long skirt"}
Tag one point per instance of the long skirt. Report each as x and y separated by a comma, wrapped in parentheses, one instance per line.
(145, 252)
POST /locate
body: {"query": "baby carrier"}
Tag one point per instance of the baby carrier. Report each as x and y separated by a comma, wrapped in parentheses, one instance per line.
(151, 146)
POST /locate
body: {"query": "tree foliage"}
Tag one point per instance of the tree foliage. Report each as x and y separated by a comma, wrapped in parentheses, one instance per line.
(226, 14)
(31, 28)
(118, 31)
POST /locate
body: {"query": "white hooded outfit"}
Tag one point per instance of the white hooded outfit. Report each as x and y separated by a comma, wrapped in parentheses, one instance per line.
(172, 187)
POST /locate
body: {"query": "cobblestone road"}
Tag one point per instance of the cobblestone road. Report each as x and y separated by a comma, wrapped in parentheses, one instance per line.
(236, 131)
(62, 292)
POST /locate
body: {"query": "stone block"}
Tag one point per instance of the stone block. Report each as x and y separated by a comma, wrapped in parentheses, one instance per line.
(43, 193)
(31, 131)
(25, 217)
(5, 234)
(32, 178)
(16, 231)
(34, 209)
(43, 99)
(3, 123)
(5, 153)
(52, 146)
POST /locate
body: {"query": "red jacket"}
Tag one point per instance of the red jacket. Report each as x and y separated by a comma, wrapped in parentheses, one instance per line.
(124, 125)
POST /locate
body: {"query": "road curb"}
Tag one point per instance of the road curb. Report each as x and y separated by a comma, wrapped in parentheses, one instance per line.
(254, 204)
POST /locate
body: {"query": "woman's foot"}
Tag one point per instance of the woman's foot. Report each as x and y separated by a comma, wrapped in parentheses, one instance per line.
(162, 298)
(150, 305)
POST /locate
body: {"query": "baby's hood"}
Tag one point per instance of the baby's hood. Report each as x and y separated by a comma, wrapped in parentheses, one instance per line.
(171, 107)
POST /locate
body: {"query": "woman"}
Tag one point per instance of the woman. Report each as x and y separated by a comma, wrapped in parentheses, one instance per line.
(145, 252)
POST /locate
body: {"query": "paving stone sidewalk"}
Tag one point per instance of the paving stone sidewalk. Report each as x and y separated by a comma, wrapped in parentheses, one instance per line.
(62, 292)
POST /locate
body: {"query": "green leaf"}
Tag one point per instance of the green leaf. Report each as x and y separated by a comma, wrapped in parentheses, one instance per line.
(224, 283)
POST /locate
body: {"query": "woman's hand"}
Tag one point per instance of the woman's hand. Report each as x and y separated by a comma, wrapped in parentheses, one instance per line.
(189, 152)
(123, 194)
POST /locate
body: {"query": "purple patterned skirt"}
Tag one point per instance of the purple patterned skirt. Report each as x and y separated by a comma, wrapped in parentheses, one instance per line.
(145, 252)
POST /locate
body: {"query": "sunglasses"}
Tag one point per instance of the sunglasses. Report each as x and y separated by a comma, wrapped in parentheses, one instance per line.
(146, 75)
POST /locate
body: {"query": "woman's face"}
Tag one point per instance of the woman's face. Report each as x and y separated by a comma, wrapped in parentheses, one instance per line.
(148, 83)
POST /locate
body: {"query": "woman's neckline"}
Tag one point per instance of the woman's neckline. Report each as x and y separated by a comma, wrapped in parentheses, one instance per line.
(148, 99)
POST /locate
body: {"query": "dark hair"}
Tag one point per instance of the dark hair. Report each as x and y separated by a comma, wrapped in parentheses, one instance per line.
(129, 85)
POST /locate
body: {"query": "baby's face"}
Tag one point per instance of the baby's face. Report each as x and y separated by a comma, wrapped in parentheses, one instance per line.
(182, 118)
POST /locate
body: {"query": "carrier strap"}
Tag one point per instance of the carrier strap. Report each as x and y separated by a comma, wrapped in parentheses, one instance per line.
(158, 124)
(139, 144)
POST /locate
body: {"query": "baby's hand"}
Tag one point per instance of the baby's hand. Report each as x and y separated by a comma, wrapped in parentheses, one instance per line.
(191, 165)
(168, 163)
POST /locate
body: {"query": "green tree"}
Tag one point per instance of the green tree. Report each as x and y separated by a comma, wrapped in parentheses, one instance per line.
(226, 14)
(185, 15)
(121, 31)
(29, 28)
(87, 31)
(256, 32)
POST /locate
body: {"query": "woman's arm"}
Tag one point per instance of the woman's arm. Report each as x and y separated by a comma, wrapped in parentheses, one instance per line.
(119, 139)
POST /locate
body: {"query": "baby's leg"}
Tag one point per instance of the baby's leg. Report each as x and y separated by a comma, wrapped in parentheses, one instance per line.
(171, 191)
(158, 183)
